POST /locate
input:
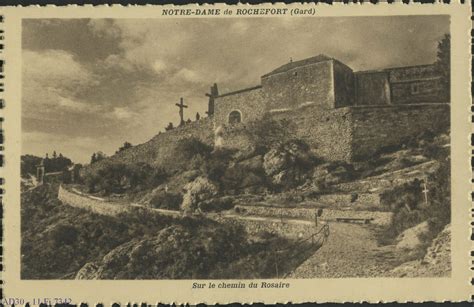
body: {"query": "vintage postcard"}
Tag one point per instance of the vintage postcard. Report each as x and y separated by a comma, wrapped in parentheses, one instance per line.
(218, 154)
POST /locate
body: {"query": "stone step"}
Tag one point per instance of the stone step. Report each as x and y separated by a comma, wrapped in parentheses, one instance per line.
(377, 184)
(359, 201)
(309, 214)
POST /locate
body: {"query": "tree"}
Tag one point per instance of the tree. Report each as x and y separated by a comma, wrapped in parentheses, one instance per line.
(126, 145)
(54, 155)
(443, 64)
(97, 156)
(198, 117)
(100, 156)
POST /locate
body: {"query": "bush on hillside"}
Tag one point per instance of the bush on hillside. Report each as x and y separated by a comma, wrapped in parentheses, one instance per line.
(190, 147)
(217, 204)
(166, 200)
(64, 235)
(408, 204)
(188, 154)
(268, 133)
(117, 177)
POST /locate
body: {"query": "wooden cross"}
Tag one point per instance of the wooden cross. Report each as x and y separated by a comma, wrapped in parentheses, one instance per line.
(181, 106)
(425, 191)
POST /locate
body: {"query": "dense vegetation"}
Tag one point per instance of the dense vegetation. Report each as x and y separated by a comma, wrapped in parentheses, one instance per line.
(117, 177)
(408, 201)
(56, 163)
(141, 245)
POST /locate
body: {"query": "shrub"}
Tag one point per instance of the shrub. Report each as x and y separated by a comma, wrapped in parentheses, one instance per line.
(406, 203)
(408, 194)
(117, 177)
(64, 235)
(190, 147)
(166, 200)
(217, 204)
(268, 132)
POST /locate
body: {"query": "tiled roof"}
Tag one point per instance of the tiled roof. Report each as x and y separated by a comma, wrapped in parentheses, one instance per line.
(291, 65)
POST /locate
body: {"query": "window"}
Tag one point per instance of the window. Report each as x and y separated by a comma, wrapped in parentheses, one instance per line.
(235, 117)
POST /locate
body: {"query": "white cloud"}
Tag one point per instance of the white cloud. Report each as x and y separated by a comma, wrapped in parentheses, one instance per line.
(103, 27)
(51, 80)
(55, 68)
(123, 113)
(189, 75)
(159, 66)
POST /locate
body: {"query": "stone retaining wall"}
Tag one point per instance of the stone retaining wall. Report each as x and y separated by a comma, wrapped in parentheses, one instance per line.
(90, 204)
(375, 127)
(284, 228)
(379, 217)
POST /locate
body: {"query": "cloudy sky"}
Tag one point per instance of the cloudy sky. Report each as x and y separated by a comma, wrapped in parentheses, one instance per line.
(91, 84)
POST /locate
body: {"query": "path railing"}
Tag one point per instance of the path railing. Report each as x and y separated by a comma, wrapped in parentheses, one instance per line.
(317, 240)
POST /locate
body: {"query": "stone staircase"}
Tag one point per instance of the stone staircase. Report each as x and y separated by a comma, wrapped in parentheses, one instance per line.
(355, 201)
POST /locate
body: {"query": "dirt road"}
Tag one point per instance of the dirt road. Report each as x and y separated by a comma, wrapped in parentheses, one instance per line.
(350, 251)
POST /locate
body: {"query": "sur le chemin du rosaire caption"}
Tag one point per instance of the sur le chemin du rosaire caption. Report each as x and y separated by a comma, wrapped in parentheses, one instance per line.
(240, 285)
(237, 11)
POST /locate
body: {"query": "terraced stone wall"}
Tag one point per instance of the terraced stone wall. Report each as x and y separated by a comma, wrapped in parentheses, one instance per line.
(375, 127)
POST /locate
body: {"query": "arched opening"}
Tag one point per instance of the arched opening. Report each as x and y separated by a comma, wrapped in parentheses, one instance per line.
(235, 117)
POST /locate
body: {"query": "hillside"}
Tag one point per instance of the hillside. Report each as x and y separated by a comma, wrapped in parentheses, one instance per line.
(239, 210)
(137, 245)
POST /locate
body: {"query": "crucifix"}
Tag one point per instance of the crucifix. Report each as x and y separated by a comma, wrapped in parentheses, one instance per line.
(214, 92)
(425, 191)
(181, 106)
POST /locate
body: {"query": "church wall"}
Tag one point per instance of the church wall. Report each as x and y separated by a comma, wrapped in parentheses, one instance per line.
(343, 85)
(415, 84)
(301, 85)
(417, 91)
(328, 132)
(372, 88)
(403, 85)
(375, 127)
(250, 103)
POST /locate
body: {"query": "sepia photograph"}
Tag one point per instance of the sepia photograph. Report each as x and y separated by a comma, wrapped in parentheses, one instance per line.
(236, 148)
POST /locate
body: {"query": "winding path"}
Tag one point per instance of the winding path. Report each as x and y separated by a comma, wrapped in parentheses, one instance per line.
(350, 251)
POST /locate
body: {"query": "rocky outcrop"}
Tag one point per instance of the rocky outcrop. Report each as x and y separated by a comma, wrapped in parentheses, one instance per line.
(436, 263)
(288, 164)
(175, 252)
(410, 238)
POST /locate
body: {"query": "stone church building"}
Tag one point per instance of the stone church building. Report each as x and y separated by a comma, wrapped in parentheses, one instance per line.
(341, 113)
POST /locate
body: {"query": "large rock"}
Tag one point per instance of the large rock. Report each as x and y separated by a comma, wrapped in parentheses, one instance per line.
(410, 238)
(436, 263)
(88, 271)
(440, 250)
(175, 252)
(199, 190)
(288, 164)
